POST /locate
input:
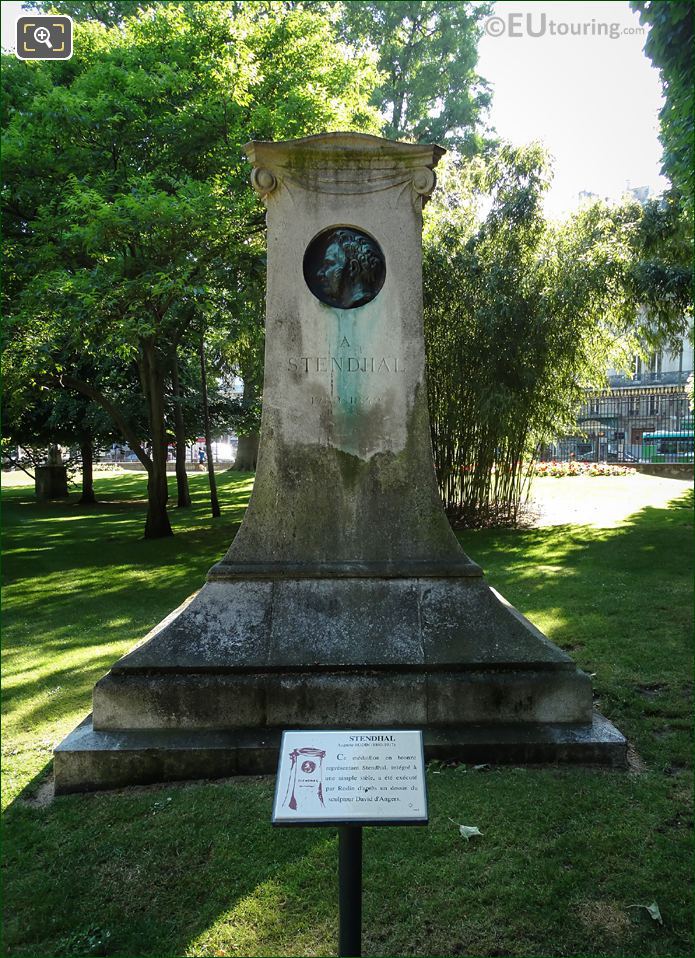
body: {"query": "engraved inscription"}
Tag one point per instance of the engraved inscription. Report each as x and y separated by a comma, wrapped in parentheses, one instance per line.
(345, 364)
(345, 400)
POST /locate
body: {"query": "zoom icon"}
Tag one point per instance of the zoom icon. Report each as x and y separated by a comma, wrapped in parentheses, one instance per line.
(44, 38)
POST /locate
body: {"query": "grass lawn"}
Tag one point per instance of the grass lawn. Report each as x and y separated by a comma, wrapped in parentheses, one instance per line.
(196, 869)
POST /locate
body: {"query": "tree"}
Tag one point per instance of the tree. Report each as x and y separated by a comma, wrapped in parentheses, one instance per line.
(38, 421)
(108, 12)
(214, 501)
(670, 48)
(660, 271)
(243, 352)
(520, 315)
(427, 57)
(138, 217)
(184, 495)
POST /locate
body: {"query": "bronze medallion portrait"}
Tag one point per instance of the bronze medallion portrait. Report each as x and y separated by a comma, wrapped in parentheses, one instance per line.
(344, 267)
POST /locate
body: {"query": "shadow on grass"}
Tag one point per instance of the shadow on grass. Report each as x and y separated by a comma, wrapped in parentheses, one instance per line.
(81, 587)
(619, 600)
(147, 871)
(197, 869)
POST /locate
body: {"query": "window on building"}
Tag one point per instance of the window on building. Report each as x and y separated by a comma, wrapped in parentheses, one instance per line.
(655, 364)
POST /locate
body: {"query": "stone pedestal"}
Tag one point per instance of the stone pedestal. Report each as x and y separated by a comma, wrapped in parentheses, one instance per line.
(345, 599)
(51, 482)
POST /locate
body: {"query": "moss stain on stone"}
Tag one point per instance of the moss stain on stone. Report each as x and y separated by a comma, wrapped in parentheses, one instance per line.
(319, 503)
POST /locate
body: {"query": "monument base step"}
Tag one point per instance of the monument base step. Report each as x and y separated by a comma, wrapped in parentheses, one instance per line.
(89, 760)
(374, 699)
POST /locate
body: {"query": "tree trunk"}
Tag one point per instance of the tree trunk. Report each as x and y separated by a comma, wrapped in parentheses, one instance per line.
(87, 454)
(247, 453)
(397, 113)
(247, 448)
(214, 502)
(184, 495)
(157, 524)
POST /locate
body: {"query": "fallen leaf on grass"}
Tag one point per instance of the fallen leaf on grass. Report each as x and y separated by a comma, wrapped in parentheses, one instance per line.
(467, 831)
(652, 910)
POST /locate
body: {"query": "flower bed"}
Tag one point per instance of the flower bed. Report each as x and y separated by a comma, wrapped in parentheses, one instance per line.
(559, 470)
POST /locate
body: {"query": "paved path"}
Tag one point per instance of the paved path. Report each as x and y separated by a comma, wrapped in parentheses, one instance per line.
(599, 501)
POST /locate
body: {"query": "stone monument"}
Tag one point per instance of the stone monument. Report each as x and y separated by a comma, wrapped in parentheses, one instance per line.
(51, 479)
(345, 599)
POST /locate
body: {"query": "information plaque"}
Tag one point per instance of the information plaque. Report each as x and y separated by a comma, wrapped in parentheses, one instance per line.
(350, 778)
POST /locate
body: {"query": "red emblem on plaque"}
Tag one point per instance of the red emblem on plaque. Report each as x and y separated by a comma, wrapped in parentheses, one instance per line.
(306, 778)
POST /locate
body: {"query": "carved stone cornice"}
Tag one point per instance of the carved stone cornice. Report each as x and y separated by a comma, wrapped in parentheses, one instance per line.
(343, 164)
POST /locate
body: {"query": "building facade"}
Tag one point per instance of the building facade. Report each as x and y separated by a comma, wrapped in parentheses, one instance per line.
(645, 416)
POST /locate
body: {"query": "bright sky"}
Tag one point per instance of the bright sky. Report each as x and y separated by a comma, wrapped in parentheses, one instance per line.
(592, 100)
(10, 11)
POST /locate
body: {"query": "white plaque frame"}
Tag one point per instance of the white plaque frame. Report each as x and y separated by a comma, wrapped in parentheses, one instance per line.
(350, 777)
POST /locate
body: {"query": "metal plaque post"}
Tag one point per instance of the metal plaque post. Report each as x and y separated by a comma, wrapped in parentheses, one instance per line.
(350, 891)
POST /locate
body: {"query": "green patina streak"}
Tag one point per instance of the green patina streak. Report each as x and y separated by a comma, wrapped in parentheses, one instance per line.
(348, 327)
(338, 506)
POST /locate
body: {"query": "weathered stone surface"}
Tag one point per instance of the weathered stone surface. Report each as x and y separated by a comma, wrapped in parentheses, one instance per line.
(468, 623)
(597, 742)
(347, 700)
(352, 622)
(225, 625)
(88, 760)
(345, 599)
(174, 700)
(51, 482)
(344, 399)
(315, 698)
(424, 651)
(522, 696)
(348, 622)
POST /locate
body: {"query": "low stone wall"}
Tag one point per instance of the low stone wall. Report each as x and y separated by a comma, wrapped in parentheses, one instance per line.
(667, 470)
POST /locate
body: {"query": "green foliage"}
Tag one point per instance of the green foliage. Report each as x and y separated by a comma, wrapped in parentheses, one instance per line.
(670, 47)
(131, 224)
(427, 49)
(52, 417)
(521, 314)
(108, 12)
(660, 274)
